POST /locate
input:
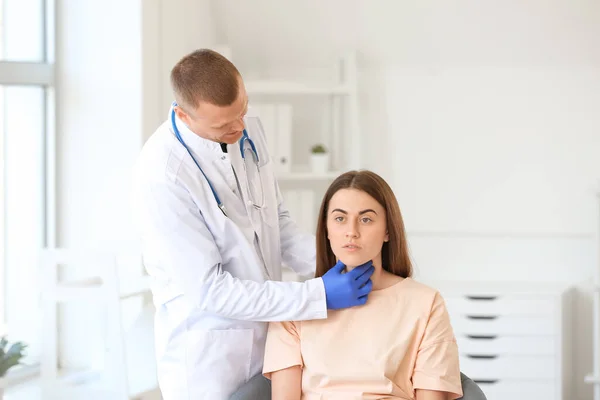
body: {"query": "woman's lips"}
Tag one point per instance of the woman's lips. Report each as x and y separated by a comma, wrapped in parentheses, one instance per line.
(351, 247)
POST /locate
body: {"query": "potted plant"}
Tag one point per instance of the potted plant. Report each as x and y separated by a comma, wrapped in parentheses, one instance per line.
(9, 357)
(319, 159)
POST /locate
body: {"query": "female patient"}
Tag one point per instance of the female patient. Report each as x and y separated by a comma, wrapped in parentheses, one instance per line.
(399, 345)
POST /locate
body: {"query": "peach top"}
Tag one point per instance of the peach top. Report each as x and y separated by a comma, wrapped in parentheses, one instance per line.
(401, 340)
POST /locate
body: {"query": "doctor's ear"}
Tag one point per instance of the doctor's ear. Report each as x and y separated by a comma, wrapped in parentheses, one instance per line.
(181, 114)
(386, 237)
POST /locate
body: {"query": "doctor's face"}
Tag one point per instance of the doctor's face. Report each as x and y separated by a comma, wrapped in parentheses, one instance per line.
(216, 123)
(356, 227)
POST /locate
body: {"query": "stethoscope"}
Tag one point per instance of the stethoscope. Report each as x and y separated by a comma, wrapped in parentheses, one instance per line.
(243, 148)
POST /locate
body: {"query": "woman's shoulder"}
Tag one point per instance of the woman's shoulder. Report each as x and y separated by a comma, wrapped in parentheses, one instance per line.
(409, 300)
(419, 288)
(415, 292)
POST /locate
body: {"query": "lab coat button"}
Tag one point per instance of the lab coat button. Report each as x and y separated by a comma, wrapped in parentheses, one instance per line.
(223, 157)
(249, 202)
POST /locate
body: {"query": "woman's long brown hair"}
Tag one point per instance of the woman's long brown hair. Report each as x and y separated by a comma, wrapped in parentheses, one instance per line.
(394, 254)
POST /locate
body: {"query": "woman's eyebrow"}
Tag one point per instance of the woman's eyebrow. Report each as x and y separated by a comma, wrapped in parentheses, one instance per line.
(338, 210)
(367, 211)
(360, 213)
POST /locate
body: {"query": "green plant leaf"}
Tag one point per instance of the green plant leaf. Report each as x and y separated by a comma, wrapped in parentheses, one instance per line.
(16, 348)
(9, 362)
(12, 357)
(318, 148)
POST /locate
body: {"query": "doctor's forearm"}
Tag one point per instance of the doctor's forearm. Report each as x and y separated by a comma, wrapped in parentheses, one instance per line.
(267, 301)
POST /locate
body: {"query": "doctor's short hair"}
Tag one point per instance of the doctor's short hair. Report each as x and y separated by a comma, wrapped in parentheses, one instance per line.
(205, 76)
(395, 257)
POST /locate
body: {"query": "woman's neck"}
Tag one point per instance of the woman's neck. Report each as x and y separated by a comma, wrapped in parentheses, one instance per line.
(383, 279)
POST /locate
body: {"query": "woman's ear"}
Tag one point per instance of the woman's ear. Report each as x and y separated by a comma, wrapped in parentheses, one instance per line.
(387, 237)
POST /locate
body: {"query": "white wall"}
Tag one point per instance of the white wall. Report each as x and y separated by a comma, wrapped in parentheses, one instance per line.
(489, 112)
(172, 29)
(509, 152)
(98, 135)
(99, 113)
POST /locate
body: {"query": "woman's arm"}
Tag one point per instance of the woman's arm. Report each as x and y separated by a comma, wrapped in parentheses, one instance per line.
(422, 394)
(283, 360)
(437, 369)
(286, 384)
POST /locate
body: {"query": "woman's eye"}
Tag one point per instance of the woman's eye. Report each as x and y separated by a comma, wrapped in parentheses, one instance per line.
(366, 220)
(338, 219)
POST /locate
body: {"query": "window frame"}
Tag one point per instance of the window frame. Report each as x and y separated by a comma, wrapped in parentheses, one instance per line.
(39, 74)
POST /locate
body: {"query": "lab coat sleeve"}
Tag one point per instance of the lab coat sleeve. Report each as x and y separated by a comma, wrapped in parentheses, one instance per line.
(298, 248)
(175, 228)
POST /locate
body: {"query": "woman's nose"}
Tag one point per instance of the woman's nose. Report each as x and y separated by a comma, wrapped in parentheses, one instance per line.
(352, 231)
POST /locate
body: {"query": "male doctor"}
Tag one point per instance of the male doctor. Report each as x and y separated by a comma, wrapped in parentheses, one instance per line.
(215, 232)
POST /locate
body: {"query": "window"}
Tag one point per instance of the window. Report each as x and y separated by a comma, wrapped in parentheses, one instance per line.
(26, 160)
(22, 25)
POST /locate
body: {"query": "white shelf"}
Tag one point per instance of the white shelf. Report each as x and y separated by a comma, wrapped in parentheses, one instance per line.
(592, 379)
(307, 176)
(292, 87)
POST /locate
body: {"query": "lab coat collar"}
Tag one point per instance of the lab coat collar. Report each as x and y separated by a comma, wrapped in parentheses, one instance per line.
(195, 142)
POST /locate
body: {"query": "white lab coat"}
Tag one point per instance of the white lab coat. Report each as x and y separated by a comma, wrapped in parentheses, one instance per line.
(212, 290)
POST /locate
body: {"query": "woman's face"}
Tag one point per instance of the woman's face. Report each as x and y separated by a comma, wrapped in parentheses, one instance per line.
(356, 227)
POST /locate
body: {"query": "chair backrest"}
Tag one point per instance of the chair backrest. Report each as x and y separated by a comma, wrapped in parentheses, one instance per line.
(471, 391)
(259, 388)
(98, 283)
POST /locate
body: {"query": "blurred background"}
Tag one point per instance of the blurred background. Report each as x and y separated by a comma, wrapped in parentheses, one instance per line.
(484, 117)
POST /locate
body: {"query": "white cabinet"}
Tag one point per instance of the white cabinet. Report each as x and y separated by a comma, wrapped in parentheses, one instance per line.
(513, 338)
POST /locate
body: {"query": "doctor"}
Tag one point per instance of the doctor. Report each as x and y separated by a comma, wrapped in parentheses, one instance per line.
(215, 232)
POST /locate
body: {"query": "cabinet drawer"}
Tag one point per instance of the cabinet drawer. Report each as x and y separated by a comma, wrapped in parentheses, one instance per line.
(519, 390)
(508, 367)
(506, 345)
(484, 305)
(502, 325)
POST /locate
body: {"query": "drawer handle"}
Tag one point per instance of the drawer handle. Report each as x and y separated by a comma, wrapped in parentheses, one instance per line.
(486, 381)
(487, 298)
(482, 317)
(482, 356)
(484, 337)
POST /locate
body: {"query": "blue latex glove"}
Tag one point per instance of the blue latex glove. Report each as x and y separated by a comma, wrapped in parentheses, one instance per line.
(349, 289)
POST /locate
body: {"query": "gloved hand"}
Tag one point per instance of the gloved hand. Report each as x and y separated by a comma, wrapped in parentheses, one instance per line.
(349, 289)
